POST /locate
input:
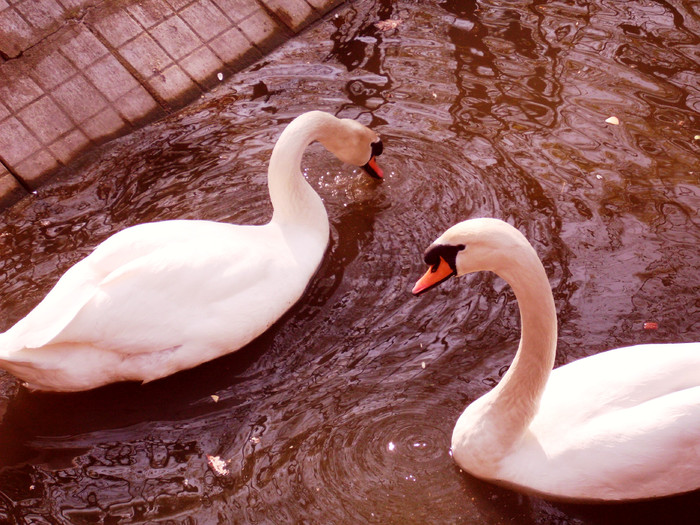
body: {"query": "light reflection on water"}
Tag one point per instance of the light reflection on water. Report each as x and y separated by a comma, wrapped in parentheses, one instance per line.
(342, 412)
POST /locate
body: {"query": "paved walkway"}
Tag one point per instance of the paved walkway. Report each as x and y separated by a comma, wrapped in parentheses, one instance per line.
(76, 73)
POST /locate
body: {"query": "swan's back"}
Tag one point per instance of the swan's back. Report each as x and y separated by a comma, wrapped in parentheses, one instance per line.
(619, 425)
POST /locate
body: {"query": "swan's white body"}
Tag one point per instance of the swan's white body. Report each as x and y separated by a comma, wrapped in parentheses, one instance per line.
(161, 297)
(620, 425)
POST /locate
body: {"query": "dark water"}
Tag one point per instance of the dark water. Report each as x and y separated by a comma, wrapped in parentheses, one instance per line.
(343, 411)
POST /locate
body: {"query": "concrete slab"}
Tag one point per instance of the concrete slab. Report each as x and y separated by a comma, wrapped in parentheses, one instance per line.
(207, 20)
(40, 14)
(138, 105)
(176, 37)
(148, 13)
(174, 85)
(51, 70)
(263, 31)
(35, 168)
(145, 55)
(293, 13)
(79, 98)
(15, 34)
(111, 78)
(16, 141)
(16, 88)
(202, 66)
(103, 126)
(237, 10)
(82, 47)
(233, 47)
(46, 120)
(66, 147)
(10, 189)
(115, 25)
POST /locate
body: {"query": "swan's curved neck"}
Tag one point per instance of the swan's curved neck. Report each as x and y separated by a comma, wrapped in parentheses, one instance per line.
(515, 400)
(294, 201)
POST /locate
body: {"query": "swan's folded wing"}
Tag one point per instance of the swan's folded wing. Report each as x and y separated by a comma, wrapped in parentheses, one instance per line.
(174, 285)
(159, 300)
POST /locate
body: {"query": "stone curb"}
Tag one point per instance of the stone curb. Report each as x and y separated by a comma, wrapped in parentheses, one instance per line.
(77, 73)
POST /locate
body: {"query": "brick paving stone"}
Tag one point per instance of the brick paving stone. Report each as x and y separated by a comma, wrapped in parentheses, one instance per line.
(40, 13)
(150, 12)
(16, 142)
(104, 125)
(262, 31)
(325, 5)
(4, 112)
(117, 27)
(175, 37)
(237, 10)
(231, 46)
(111, 78)
(52, 69)
(66, 147)
(34, 168)
(202, 65)
(16, 89)
(10, 190)
(79, 98)
(82, 47)
(145, 55)
(74, 4)
(206, 19)
(179, 4)
(293, 13)
(45, 119)
(15, 33)
(173, 85)
(136, 104)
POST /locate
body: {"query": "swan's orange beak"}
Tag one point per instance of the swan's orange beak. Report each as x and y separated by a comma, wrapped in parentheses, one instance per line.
(434, 276)
(373, 169)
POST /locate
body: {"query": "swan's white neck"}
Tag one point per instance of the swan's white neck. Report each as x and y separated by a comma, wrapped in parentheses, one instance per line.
(294, 201)
(507, 410)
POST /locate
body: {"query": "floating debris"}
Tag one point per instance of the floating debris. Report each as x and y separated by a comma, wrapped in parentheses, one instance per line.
(422, 365)
(218, 465)
(612, 120)
(215, 398)
(220, 76)
(649, 325)
(387, 25)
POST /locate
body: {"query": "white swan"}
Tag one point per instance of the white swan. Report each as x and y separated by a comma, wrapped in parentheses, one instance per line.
(619, 425)
(161, 297)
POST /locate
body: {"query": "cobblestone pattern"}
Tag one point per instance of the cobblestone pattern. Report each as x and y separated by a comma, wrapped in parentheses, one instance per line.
(75, 73)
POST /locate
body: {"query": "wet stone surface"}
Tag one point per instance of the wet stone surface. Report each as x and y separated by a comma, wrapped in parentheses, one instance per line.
(343, 411)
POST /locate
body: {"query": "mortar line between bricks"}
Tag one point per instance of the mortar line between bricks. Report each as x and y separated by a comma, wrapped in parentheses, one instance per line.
(16, 176)
(131, 69)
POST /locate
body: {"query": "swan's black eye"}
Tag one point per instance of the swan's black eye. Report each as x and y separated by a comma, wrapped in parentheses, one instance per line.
(448, 252)
(377, 148)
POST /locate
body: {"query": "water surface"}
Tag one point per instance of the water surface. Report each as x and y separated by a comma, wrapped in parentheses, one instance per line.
(343, 411)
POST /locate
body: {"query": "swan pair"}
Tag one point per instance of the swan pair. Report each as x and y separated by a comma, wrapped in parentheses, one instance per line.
(616, 426)
(161, 297)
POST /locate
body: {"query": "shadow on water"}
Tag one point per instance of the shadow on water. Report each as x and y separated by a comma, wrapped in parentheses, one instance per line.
(342, 412)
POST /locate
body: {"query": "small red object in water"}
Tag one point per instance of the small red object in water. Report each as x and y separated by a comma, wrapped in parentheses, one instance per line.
(651, 326)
